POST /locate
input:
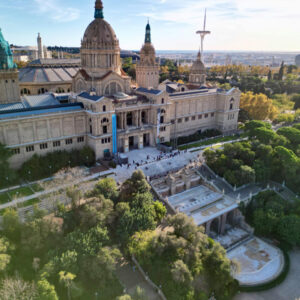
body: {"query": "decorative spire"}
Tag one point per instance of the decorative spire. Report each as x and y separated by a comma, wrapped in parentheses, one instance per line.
(148, 34)
(99, 10)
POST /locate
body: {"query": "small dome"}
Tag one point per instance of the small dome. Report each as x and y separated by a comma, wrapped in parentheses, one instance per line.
(100, 34)
(198, 66)
(148, 49)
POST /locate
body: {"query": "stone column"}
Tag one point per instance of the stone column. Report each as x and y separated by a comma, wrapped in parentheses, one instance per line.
(121, 120)
(126, 144)
(125, 121)
(141, 142)
(207, 228)
(223, 223)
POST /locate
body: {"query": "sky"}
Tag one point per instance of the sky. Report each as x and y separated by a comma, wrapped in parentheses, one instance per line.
(241, 25)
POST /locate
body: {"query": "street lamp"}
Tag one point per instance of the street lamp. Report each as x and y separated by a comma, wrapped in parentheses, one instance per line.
(96, 294)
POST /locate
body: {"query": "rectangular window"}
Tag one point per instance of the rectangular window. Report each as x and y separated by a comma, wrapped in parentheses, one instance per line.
(199, 117)
(179, 120)
(162, 119)
(43, 146)
(193, 118)
(162, 139)
(80, 139)
(187, 119)
(231, 106)
(91, 129)
(172, 121)
(15, 151)
(69, 141)
(163, 128)
(56, 144)
(212, 114)
(206, 116)
(104, 129)
(29, 148)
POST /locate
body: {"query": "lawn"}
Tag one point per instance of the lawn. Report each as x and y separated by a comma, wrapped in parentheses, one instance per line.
(210, 142)
(20, 192)
(28, 203)
(4, 198)
(36, 187)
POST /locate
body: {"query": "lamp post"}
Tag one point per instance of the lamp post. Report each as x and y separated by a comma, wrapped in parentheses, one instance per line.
(96, 295)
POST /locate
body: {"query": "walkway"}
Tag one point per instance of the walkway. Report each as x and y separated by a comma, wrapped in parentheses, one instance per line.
(287, 290)
(130, 277)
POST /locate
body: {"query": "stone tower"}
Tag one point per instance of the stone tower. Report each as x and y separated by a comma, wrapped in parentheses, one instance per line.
(147, 70)
(9, 78)
(198, 73)
(40, 47)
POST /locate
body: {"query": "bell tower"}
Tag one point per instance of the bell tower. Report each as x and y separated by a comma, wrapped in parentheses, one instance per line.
(147, 70)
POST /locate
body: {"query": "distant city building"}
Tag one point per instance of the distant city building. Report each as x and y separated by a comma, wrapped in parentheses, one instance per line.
(102, 109)
(29, 53)
(297, 60)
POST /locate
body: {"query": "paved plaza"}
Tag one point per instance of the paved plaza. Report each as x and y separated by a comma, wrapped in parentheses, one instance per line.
(289, 289)
(260, 262)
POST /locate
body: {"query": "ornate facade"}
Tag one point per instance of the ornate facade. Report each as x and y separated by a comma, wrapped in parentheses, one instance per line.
(105, 113)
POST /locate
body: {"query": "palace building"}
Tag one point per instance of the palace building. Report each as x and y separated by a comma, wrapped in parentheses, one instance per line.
(103, 110)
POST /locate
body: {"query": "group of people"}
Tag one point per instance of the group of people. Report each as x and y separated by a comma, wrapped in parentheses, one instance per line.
(150, 159)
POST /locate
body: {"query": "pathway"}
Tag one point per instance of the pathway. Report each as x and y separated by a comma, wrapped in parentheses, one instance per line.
(130, 277)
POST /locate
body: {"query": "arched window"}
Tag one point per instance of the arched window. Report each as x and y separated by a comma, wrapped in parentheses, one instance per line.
(231, 103)
(162, 111)
(113, 88)
(42, 91)
(104, 120)
(60, 90)
(104, 108)
(25, 91)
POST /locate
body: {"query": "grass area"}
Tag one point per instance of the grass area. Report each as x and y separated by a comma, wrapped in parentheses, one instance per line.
(211, 142)
(4, 198)
(36, 187)
(20, 192)
(272, 283)
(28, 203)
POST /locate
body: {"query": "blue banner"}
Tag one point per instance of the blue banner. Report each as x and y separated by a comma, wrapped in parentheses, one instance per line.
(114, 133)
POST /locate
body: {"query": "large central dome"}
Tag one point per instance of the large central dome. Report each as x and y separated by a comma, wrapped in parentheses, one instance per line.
(100, 51)
(99, 34)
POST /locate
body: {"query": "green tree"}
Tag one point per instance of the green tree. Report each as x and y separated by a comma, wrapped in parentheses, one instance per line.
(7, 175)
(11, 225)
(281, 71)
(160, 211)
(289, 229)
(46, 291)
(108, 188)
(67, 280)
(4, 256)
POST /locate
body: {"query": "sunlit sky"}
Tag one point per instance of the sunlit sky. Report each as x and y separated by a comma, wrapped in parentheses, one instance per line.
(258, 25)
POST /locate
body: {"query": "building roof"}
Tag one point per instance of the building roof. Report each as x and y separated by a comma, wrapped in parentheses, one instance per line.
(149, 91)
(26, 112)
(11, 106)
(89, 96)
(194, 92)
(47, 75)
(40, 100)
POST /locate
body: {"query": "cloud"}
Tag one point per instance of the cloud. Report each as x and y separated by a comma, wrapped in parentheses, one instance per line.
(56, 11)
